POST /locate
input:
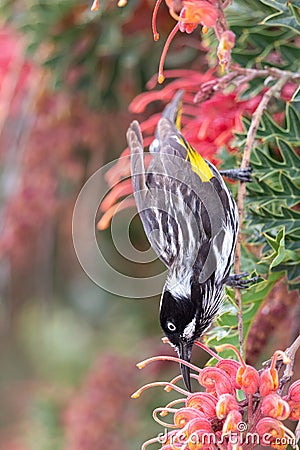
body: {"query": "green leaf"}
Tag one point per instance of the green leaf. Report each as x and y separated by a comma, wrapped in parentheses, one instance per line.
(287, 14)
(225, 330)
(296, 96)
(273, 199)
(269, 129)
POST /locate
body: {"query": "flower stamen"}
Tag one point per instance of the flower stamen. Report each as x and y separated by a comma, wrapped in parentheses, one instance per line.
(138, 393)
(147, 361)
(154, 19)
(161, 77)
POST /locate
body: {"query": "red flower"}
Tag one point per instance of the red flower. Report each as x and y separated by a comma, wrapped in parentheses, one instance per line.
(206, 418)
(269, 377)
(274, 406)
(189, 14)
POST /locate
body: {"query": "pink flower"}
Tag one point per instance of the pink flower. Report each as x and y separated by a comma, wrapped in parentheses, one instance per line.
(274, 406)
(203, 402)
(269, 377)
(226, 403)
(225, 46)
(216, 381)
(294, 391)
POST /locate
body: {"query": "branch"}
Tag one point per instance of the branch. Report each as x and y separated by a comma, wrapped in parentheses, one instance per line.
(250, 140)
(240, 76)
(291, 353)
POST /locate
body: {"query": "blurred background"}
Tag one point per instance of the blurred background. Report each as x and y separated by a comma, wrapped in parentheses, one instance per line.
(68, 348)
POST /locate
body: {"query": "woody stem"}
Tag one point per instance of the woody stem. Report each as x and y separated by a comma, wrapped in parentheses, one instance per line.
(250, 140)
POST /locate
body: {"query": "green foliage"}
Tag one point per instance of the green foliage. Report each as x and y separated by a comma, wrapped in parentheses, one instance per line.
(226, 330)
(287, 14)
(272, 219)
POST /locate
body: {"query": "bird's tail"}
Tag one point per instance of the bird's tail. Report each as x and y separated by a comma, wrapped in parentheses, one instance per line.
(173, 110)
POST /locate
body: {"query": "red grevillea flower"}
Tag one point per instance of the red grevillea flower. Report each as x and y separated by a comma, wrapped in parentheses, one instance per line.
(189, 14)
(294, 391)
(269, 377)
(231, 419)
(274, 406)
(247, 378)
(208, 127)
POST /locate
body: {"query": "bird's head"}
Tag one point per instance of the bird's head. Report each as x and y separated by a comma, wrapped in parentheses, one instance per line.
(182, 322)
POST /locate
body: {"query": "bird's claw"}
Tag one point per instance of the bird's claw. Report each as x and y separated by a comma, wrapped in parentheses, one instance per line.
(237, 281)
(238, 174)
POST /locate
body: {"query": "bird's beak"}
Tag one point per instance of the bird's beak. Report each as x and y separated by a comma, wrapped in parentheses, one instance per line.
(185, 351)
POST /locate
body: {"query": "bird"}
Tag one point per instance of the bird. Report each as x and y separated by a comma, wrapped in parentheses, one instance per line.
(191, 221)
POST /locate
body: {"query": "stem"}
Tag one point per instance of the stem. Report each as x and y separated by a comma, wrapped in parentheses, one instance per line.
(291, 353)
(275, 89)
(250, 410)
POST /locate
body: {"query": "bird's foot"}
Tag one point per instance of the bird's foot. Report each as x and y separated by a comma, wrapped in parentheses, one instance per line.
(238, 174)
(237, 281)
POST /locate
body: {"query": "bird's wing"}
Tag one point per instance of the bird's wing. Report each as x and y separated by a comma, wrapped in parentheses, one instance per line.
(150, 203)
(187, 212)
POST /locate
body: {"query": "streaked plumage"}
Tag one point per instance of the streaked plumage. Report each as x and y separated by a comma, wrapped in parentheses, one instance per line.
(191, 221)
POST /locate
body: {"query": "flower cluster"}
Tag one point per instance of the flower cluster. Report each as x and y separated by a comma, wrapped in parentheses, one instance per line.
(191, 13)
(239, 407)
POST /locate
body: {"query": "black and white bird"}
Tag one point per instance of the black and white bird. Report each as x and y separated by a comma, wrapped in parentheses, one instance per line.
(191, 222)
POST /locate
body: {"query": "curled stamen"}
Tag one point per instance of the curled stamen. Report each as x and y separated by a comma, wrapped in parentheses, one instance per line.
(161, 77)
(144, 363)
(170, 405)
(161, 422)
(138, 393)
(222, 347)
(290, 434)
(154, 19)
(208, 350)
(285, 359)
(150, 441)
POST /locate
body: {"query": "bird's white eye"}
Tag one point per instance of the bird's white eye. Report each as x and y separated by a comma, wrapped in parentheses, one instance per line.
(171, 326)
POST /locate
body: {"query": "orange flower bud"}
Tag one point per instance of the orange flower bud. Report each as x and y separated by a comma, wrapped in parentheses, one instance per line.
(268, 382)
(231, 423)
(230, 366)
(294, 391)
(198, 424)
(226, 403)
(215, 381)
(184, 415)
(203, 402)
(272, 433)
(247, 378)
(274, 406)
(201, 12)
(294, 410)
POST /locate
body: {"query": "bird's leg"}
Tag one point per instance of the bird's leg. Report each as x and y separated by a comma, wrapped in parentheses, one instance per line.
(237, 281)
(238, 174)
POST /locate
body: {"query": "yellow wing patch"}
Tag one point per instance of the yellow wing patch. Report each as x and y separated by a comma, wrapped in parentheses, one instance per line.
(199, 166)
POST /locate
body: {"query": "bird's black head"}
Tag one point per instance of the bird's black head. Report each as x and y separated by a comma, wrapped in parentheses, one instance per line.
(181, 320)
